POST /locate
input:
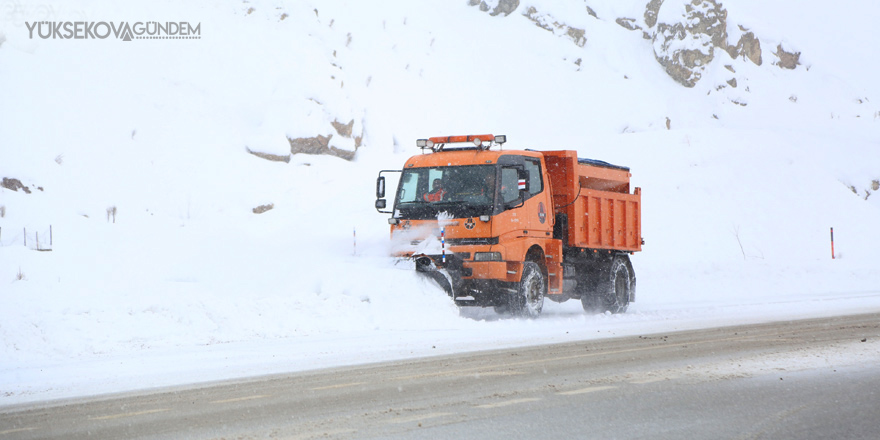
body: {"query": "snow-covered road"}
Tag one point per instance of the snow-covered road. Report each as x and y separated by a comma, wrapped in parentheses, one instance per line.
(477, 330)
(728, 382)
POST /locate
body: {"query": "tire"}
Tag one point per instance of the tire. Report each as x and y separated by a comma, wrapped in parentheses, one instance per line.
(614, 289)
(528, 301)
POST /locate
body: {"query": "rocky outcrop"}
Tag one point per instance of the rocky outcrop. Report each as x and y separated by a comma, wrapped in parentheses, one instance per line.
(321, 144)
(14, 184)
(544, 21)
(263, 208)
(269, 156)
(343, 129)
(865, 191)
(628, 23)
(651, 11)
(685, 35)
(787, 60)
(591, 12)
(505, 7)
(686, 47)
(318, 145)
(748, 46)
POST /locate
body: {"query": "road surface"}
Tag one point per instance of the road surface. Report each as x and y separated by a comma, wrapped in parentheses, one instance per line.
(817, 378)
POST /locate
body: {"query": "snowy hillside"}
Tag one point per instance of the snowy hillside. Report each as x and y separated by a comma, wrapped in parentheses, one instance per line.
(186, 236)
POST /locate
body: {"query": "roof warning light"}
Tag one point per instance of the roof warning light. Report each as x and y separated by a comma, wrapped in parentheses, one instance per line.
(481, 141)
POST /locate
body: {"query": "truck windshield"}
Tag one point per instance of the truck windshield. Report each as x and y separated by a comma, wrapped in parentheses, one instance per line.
(462, 191)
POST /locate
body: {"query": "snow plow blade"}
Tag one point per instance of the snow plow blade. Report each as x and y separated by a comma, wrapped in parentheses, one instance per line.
(447, 278)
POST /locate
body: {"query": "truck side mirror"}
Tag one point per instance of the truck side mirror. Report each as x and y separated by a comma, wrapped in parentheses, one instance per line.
(380, 188)
(380, 204)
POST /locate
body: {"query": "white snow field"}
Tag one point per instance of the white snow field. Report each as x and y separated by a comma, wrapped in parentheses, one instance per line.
(159, 272)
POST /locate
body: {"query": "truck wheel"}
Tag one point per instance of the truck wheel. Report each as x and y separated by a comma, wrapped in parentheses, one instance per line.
(529, 298)
(614, 292)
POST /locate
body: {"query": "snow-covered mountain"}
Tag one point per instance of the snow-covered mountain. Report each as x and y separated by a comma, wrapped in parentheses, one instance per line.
(209, 199)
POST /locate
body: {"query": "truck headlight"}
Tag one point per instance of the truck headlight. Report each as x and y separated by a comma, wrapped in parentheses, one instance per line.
(487, 256)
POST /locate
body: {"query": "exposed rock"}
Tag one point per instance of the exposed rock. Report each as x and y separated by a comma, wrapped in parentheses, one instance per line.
(787, 60)
(347, 131)
(576, 35)
(505, 7)
(749, 47)
(343, 129)
(712, 21)
(14, 184)
(269, 156)
(684, 65)
(321, 144)
(263, 208)
(685, 48)
(651, 10)
(544, 21)
(318, 145)
(532, 14)
(628, 23)
(591, 12)
(686, 45)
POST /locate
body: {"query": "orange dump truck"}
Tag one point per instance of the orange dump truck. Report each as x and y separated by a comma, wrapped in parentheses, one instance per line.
(509, 228)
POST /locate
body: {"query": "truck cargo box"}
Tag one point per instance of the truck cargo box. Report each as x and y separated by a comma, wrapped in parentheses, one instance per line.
(593, 204)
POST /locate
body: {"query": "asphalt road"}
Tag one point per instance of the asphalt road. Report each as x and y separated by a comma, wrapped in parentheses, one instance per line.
(815, 378)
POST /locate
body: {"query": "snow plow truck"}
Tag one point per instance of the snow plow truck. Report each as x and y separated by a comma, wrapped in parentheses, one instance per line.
(508, 228)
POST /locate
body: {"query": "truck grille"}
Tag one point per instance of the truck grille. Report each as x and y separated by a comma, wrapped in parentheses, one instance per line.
(471, 241)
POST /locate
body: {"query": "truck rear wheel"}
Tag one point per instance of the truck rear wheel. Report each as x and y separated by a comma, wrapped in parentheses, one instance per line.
(614, 288)
(528, 301)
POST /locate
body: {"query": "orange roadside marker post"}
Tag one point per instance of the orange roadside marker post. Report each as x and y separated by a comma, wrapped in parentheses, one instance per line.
(832, 243)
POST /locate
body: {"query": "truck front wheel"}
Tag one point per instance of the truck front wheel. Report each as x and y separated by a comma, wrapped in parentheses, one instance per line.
(613, 290)
(529, 297)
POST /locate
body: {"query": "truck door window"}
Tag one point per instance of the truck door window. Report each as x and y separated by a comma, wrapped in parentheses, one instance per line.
(509, 185)
(535, 183)
(409, 187)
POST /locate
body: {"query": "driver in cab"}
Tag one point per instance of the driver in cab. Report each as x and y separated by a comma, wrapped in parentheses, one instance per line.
(437, 192)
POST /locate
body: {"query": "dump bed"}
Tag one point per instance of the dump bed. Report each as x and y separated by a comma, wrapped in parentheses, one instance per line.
(598, 211)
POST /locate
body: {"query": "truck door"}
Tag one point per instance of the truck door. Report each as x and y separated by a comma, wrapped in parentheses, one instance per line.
(535, 214)
(540, 212)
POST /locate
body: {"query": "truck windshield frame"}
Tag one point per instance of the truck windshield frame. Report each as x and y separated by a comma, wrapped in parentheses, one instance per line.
(463, 191)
